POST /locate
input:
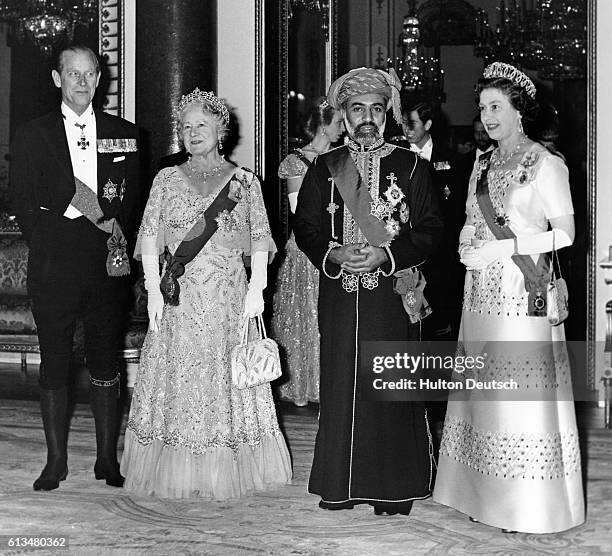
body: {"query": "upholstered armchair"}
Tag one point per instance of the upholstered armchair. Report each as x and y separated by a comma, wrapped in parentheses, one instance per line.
(17, 326)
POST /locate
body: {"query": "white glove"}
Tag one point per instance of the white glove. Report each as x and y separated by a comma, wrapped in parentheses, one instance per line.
(465, 237)
(253, 301)
(543, 243)
(293, 197)
(477, 258)
(150, 265)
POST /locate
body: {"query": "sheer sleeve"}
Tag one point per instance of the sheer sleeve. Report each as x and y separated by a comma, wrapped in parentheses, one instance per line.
(292, 167)
(152, 225)
(259, 227)
(552, 187)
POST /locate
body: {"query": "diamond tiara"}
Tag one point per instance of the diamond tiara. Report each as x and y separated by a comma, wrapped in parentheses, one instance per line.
(206, 98)
(499, 69)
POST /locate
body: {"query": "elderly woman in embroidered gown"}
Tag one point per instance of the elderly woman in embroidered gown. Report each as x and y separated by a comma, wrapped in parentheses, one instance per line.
(294, 319)
(511, 459)
(190, 433)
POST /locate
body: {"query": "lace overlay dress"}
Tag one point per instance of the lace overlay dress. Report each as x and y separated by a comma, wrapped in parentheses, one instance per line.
(294, 321)
(514, 464)
(190, 433)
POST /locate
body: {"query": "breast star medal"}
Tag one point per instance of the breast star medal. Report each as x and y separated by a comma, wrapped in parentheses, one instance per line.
(501, 219)
(393, 193)
(381, 209)
(110, 190)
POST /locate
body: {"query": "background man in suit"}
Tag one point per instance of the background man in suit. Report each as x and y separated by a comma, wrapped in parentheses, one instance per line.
(53, 157)
(483, 144)
(443, 271)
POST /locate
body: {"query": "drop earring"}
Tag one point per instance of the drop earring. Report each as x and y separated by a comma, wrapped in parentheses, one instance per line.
(520, 124)
(220, 144)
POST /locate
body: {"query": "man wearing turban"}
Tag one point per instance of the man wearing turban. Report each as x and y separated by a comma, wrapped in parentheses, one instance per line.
(366, 215)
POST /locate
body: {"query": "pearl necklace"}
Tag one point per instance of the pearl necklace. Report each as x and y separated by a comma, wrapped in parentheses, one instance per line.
(204, 175)
(496, 158)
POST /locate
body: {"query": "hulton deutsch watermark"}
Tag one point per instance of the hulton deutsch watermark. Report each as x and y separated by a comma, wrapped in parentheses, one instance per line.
(421, 371)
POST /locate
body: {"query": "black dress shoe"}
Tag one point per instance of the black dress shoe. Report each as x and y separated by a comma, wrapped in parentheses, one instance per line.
(380, 511)
(473, 520)
(392, 508)
(336, 506)
(50, 479)
(110, 472)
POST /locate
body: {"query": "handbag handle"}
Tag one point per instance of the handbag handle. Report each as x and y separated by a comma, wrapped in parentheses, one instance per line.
(245, 329)
(552, 260)
(261, 327)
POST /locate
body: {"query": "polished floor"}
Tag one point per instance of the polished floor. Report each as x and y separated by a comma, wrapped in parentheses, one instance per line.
(97, 519)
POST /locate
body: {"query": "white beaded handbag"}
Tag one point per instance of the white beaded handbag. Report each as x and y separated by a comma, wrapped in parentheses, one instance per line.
(556, 293)
(254, 362)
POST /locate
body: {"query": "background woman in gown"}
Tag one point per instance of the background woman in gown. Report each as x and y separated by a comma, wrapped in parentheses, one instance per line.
(294, 321)
(508, 462)
(190, 432)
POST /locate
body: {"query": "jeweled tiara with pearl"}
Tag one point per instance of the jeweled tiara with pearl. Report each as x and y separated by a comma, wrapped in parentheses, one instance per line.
(499, 69)
(206, 98)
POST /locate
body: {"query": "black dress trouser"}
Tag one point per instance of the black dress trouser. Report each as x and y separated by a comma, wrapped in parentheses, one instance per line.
(67, 279)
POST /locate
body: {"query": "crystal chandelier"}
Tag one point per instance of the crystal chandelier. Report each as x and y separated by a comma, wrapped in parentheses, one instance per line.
(421, 76)
(547, 36)
(47, 22)
(319, 6)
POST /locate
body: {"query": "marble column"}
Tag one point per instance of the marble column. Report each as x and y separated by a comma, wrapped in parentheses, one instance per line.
(176, 51)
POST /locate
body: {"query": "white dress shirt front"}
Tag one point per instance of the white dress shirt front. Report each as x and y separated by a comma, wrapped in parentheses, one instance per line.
(84, 160)
(425, 151)
(479, 152)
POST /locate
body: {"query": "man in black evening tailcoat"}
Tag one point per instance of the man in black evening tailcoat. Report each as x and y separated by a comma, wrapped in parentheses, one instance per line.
(67, 266)
(443, 271)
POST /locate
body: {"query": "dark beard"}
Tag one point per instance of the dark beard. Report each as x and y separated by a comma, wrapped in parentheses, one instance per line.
(366, 138)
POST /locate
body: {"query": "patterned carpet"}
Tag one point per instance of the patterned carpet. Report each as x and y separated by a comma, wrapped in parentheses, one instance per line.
(102, 520)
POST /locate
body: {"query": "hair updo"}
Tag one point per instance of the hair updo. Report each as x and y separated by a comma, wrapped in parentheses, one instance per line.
(320, 114)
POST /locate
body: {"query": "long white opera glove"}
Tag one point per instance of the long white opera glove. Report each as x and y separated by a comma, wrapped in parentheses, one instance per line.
(293, 197)
(543, 243)
(477, 258)
(253, 301)
(155, 299)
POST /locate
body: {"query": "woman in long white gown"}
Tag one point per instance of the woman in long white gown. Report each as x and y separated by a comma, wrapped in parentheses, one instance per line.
(510, 461)
(190, 433)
